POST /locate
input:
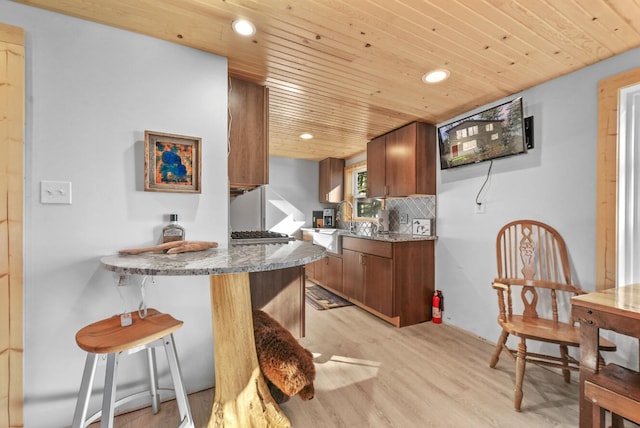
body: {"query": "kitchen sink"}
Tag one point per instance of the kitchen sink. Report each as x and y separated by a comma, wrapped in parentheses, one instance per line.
(328, 238)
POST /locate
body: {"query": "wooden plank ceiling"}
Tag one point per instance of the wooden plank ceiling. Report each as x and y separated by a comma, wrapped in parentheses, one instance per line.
(347, 71)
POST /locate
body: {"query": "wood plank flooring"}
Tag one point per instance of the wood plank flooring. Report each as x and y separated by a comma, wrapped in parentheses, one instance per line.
(370, 374)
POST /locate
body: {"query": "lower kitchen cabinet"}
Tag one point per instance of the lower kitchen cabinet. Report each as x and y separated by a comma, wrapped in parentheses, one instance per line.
(368, 279)
(394, 280)
(327, 272)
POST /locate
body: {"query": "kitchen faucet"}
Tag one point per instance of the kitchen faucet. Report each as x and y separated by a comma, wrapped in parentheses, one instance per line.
(351, 228)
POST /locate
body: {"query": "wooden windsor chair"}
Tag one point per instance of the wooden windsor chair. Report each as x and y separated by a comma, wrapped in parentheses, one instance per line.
(533, 263)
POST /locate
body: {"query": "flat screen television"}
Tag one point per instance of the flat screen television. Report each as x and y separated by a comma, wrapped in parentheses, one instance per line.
(493, 133)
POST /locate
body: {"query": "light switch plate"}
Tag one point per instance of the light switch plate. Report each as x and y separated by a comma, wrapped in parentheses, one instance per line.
(55, 192)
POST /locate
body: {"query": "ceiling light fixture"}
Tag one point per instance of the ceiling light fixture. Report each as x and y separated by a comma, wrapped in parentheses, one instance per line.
(306, 136)
(436, 76)
(243, 27)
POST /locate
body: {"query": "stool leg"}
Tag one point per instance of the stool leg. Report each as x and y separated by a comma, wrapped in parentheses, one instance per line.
(176, 375)
(153, 380)
(80, 414)
(109, 397)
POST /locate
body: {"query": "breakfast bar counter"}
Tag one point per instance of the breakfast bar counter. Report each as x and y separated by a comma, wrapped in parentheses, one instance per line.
(242, 397)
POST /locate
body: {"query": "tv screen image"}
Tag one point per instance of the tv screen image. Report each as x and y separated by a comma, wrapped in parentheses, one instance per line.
(493, 133)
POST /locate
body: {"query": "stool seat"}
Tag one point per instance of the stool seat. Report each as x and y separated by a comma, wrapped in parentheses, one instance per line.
(107, 336)
(616, 389)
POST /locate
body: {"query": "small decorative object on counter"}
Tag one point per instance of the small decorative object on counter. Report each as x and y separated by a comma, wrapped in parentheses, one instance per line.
(173, 231)
(437, 307)
(173, 247)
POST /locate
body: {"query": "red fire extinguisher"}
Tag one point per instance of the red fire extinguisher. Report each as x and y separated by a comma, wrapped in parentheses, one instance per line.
(437, 306)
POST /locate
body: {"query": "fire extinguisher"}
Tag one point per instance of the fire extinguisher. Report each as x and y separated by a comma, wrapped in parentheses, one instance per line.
(437, 306)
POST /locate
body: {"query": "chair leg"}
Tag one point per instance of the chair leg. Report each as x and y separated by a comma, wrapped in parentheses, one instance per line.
(178, 386)
(564, 354)
(82, 406)
(109, 397)
(521, 360)
(496, 354)
(601, 362)
(153, 380)
(597, 415)
(617, 421)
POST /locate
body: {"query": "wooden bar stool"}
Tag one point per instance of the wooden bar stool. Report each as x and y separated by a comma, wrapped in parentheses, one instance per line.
(616, 389)
(108, 337)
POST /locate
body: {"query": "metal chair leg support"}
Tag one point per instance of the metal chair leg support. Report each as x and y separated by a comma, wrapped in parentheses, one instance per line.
(109, 397)
(82, 406)
(153, 380)
(176, 375)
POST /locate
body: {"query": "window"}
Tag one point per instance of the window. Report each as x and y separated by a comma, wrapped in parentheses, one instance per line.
(363, 206)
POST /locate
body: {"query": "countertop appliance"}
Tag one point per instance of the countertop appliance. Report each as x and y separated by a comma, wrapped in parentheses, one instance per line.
(328, 215)
(383, 221)
(259, 237)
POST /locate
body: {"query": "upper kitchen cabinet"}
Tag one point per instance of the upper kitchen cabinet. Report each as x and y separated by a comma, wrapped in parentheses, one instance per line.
(376, 174)
(331, 180)
(248, 135)
(402, 162)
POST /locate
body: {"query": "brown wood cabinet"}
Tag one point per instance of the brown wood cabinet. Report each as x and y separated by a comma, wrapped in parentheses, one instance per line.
(331, 181)
(402, 162)
(327, 272)
(394, 280)
(376, 167)
(248, 161)
(280, 293)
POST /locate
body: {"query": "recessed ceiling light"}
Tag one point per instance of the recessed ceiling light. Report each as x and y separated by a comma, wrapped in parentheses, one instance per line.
(435, 76)
(243, 27)
(306, 136)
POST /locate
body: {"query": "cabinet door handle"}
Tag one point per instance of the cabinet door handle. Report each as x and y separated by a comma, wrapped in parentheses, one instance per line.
(363, 259)
(326, 197)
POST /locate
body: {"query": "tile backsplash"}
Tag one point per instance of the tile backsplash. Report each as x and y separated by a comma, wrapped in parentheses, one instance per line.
(413, 207)
(417, 207)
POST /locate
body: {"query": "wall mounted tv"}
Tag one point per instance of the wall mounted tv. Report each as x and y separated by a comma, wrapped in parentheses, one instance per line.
(493, 133)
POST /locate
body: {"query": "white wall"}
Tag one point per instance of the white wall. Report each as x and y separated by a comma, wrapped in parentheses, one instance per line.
(91, 93)
(555, 183)
(292, 191)
(293, 182)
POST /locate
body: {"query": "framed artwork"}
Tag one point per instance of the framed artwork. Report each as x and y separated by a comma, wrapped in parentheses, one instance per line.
(421, 226)
(171, 163)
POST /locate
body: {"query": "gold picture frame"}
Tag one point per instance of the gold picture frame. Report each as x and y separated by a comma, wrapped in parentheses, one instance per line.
(172, 163)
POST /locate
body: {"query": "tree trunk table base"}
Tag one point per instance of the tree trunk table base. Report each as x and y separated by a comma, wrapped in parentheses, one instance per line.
(242, 398)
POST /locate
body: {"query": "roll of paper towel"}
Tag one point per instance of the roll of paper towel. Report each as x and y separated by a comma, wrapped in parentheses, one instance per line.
(383, 221)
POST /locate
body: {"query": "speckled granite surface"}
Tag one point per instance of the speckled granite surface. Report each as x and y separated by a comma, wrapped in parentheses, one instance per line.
(241, 258)
(389, 237)
(392, 237)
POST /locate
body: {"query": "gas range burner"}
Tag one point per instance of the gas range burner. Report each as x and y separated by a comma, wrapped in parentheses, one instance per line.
(259, 237)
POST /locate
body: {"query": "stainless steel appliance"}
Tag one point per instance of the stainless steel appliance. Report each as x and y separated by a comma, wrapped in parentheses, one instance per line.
(328, 216)
(383, 221)
(259, 237)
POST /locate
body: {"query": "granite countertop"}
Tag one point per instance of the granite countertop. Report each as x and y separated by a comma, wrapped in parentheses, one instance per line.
(241, 258)
(387, 237)
(392, 237)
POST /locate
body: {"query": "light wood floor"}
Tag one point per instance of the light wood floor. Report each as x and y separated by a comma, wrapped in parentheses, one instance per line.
(370, 374)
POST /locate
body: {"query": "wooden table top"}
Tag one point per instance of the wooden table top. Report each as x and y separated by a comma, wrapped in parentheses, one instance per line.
(623, 300)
